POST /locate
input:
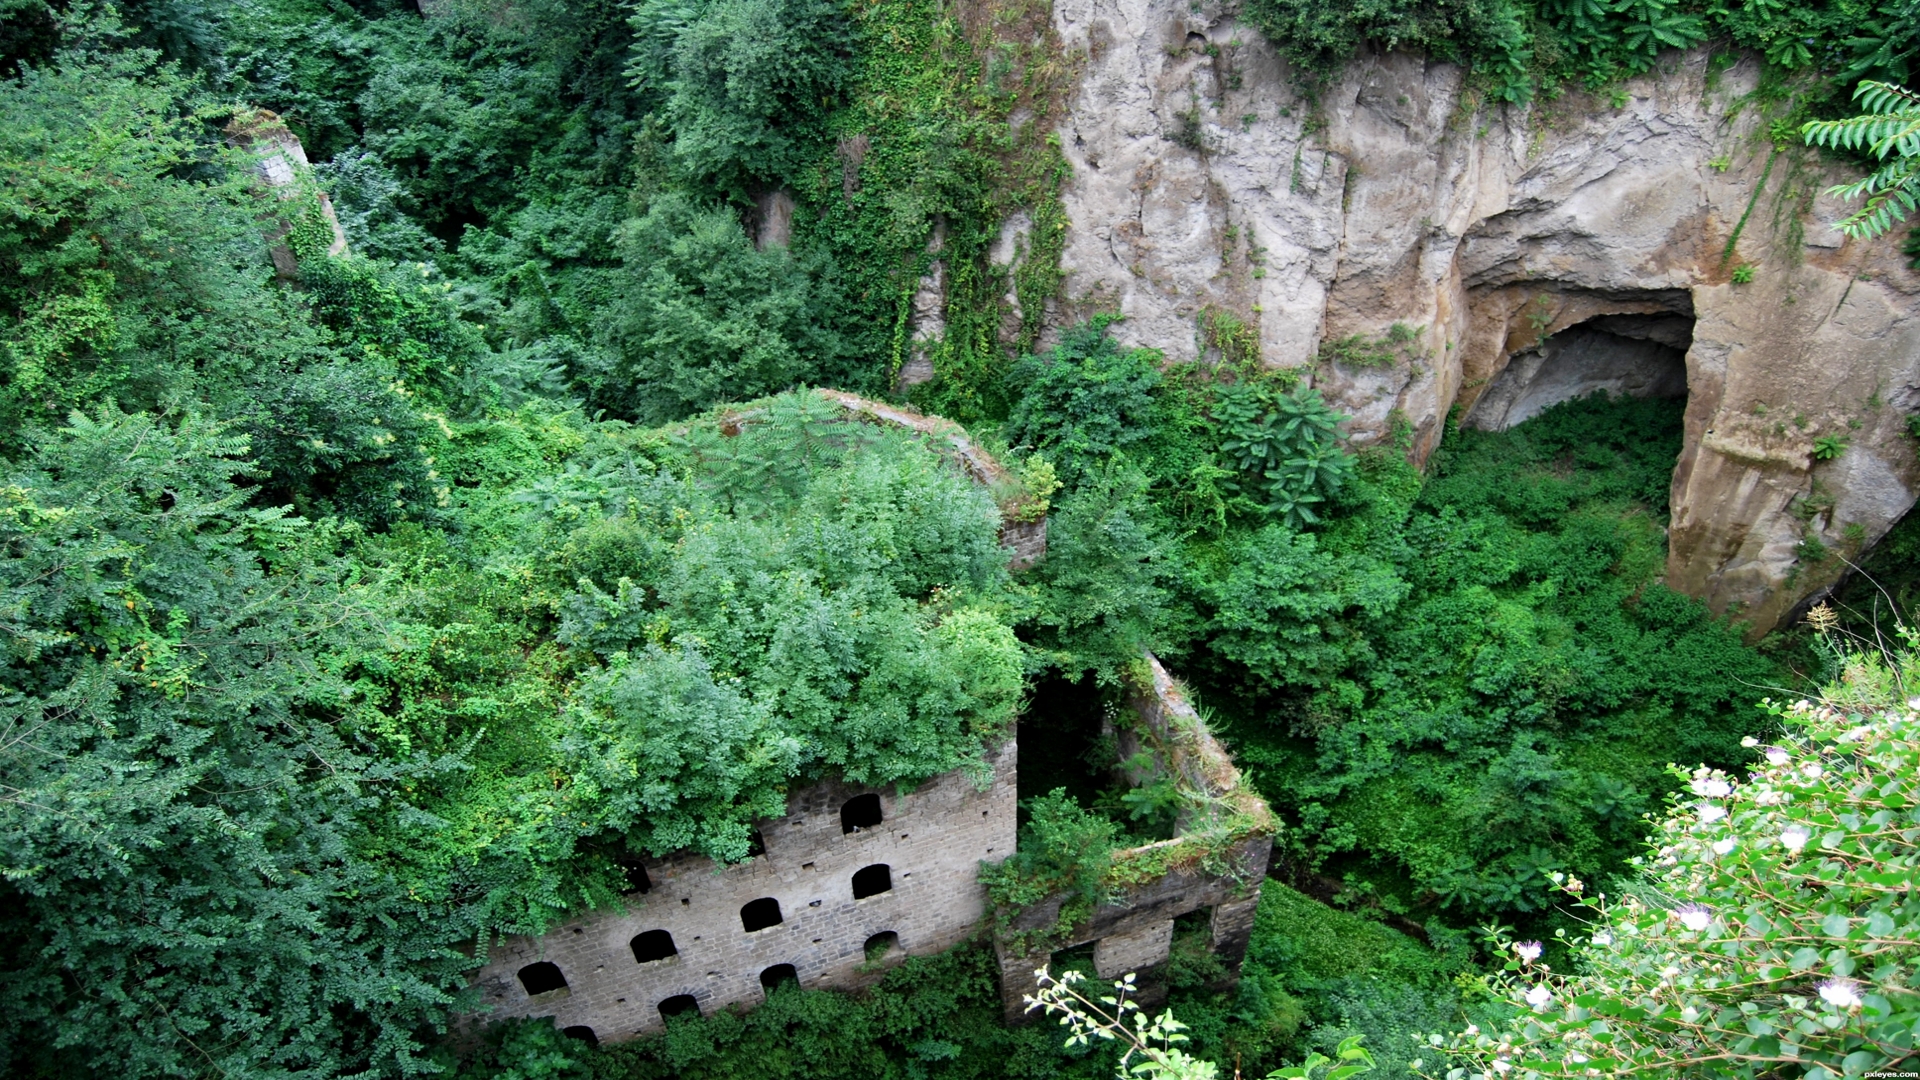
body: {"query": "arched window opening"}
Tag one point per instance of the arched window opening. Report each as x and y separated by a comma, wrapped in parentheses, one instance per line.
(860, 812)
(636, 874)
(882, 945)
(779, 975)
(872, 881)
(679, 1005)
(760, 914)
(542, 978)
(653, 945)
(583, 1033)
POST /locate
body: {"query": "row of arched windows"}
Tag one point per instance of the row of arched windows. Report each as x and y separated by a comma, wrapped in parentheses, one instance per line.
(547, 976)
(652, 945)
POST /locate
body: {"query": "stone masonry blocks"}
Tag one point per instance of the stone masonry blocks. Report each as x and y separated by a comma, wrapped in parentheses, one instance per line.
(1140, 947)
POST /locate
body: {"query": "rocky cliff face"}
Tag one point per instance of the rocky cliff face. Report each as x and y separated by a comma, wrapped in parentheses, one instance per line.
(1581, 243)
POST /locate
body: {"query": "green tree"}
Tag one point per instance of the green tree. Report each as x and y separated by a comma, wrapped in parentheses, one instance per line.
(753, 82)
(706, 318)
(182, 827)
(1889, 130)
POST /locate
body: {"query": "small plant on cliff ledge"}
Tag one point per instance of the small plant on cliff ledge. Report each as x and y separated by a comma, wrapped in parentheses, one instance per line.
(1828, 447)
(1743, 274)
(1286, 445)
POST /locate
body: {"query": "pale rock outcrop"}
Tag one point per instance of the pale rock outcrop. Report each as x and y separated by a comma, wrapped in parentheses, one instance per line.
(1202, 180)
(929, 315)
(281, 168)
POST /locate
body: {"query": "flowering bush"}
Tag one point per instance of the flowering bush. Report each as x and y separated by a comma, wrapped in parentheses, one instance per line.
(1775, 931)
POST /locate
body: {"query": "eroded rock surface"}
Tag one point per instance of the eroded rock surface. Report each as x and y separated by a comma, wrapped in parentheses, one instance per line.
(1492, 232)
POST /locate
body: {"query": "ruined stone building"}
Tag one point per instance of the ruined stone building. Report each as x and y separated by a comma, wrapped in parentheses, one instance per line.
(853, 879)
(849, 880)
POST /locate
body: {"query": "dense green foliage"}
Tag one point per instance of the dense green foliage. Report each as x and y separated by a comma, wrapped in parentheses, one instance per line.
(1774, 928)
(1519, 47)
(1450, 687)
(355, 616)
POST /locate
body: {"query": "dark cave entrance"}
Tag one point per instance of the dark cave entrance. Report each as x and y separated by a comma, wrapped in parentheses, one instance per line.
(1639, 356)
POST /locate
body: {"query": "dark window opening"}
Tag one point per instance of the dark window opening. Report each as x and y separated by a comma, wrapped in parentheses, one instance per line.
(880, 945)
(860, 812)
(756, 844)
(542, 978)
(653, 945)
(1065, 742)
(779, 975)
(636, 873)
(760, 914)
(583, 1033)
(872, 881)
(679, 1005)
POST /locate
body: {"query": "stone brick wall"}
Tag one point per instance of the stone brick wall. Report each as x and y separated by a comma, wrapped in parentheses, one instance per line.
(932, 840)
(1216, 862)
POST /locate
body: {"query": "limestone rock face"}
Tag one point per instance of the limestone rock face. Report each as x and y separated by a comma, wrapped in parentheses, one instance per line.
(1576, 240)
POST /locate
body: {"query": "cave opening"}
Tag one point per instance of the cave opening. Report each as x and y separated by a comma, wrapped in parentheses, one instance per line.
(1636, 356)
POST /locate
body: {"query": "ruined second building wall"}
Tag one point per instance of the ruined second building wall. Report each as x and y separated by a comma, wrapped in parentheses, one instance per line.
(1216, 862)
(931, 839)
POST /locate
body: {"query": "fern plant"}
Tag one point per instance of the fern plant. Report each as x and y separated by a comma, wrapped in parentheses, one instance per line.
(1890, 130)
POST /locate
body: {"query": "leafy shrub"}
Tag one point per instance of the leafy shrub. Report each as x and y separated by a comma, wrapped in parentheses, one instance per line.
(753, 79)
(527, 1050)
(1773, 927)
(705, 318)
(829, 630)
(1285, 606)
(1518, 46)
(1103, 587)
(1286, 444)
(1493, 647)
(1063, 848)
(1084, 401)
(170, 829)
(371, 203)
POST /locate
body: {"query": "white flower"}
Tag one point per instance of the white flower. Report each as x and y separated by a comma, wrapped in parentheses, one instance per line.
(1501, 1065)
(1689, 1014)
(1768, 797)
(1721, 847)
(1712, 811)
(1538, 996)
(1795, 837)
(1749, 741)
(1695, 917)
(1529, 950)
(1777, 756)
(1840, 993)
(1712, 787)
(1812, 770)
(1602, 938)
